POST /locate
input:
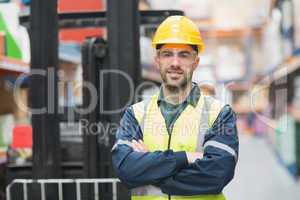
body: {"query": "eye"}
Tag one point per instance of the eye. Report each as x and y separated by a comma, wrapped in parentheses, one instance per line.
(166, 54)
(184, 55)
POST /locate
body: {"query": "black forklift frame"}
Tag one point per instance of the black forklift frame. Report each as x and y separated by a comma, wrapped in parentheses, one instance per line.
(122, 20)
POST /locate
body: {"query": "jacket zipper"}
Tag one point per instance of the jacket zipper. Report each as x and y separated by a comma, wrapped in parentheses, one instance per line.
(169, 146)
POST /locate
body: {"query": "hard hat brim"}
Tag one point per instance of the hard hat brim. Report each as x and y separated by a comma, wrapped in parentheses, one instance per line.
(200, 45)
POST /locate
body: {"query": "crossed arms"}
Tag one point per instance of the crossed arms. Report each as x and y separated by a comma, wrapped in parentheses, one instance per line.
(177, 173)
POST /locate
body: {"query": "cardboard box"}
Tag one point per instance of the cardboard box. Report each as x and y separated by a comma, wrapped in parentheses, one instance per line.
(12, 66)
(7, 105)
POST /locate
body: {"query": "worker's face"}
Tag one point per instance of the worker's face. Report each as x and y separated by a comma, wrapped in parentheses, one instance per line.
(176, 64)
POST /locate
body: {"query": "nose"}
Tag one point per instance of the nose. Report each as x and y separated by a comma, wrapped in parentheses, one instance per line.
(175, 61)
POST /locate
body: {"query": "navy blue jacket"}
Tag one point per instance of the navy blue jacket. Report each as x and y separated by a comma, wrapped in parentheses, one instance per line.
(170, 170)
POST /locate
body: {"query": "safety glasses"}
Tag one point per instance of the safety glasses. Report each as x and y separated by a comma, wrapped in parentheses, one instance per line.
(184, 56)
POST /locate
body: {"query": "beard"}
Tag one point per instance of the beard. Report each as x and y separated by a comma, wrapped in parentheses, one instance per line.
(175, 84)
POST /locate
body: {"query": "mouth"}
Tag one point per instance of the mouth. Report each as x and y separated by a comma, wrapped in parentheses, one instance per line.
(174, 74)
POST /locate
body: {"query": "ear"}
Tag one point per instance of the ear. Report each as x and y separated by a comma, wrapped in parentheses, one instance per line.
(196, 63)
(156, 61)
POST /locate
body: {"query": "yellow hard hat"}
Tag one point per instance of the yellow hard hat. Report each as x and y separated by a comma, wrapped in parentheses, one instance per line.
(178, 30)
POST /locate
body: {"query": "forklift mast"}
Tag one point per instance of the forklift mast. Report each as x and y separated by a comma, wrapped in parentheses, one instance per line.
(91, 158)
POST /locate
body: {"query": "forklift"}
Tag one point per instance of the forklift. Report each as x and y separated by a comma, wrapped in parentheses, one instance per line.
(89, 157)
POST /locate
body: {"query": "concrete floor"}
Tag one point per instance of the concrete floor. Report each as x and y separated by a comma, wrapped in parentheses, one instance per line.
(259, 176)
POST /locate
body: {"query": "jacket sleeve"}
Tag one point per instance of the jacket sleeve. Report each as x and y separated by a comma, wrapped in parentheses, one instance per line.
(136, 168)
(215, 170)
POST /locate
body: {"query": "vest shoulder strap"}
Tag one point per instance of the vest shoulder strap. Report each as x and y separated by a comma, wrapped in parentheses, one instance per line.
(209, 112)
(213, 107)
(140, 108)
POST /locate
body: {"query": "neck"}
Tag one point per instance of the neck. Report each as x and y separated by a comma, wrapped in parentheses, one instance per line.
(176, 95)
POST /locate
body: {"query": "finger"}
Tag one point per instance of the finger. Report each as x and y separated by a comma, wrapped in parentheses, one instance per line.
(200, 155)
(141, 142)
(134, 146)
(143, 145)
(138, 146)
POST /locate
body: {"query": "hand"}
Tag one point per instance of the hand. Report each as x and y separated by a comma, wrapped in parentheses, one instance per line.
(193, 156)
(139, 146)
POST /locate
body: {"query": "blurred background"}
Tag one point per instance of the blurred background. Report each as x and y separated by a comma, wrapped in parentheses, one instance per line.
(251, 61)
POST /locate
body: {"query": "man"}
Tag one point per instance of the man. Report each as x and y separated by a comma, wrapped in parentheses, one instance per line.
(179, 144)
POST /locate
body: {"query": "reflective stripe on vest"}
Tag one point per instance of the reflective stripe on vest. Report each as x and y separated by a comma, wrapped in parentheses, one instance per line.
(165, 197)
(187, 135)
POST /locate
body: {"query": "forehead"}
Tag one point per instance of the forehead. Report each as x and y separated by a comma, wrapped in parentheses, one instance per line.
(178, 47)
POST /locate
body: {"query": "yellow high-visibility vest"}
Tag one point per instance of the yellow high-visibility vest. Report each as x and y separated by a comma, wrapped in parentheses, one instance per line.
(187, 135)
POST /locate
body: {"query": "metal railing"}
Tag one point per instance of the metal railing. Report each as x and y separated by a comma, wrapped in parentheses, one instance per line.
(60, 183)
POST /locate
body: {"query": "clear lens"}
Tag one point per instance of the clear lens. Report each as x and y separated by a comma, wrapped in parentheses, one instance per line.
(184, 56)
